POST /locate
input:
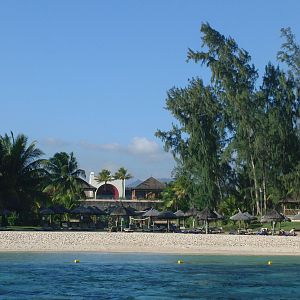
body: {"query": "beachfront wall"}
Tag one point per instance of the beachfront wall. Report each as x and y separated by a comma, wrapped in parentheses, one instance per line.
(137, 204)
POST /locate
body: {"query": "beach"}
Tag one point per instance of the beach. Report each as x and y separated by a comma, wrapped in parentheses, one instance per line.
(173, 243)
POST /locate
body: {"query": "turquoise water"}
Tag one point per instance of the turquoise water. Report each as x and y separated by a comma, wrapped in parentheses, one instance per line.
(142, 276)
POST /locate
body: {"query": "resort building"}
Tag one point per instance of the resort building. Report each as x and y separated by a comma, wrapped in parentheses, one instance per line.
(104, 194)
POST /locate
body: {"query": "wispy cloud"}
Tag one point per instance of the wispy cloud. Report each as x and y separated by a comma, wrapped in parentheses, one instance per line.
(54, 142)
(91, 146)
(140, 147)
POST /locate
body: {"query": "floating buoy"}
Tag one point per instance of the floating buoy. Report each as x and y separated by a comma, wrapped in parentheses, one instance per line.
(269, 262)
(180, 261)
(76, 261)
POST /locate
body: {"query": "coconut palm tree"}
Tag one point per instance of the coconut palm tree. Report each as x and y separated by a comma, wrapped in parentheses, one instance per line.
(21, 172)
(122, 175)
(104, 176)
(65, 178)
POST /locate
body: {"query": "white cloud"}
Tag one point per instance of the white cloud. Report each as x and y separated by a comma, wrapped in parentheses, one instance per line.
(143, 146)
(54, 142)
(91, 146)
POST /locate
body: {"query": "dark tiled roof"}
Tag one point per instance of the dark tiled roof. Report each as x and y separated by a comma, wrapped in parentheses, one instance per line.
(150, 184)
(86, 186)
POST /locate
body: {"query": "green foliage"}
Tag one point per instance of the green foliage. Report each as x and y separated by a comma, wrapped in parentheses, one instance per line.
(65, 179)
(123, 175)
(12, 219)
(233, 140)
(175, 195)
(104, 176)
(21, 173)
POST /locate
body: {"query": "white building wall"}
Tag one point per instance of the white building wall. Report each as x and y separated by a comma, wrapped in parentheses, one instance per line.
(117, 183)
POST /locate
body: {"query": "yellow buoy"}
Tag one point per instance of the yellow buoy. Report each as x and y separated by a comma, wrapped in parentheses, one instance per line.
(180, 261)
(76, 261)
(269, 262)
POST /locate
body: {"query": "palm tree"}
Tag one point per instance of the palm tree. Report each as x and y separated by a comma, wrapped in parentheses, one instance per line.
(21, 172)
(104, 176)
(175, 195)
(122, 175)
(65, 179)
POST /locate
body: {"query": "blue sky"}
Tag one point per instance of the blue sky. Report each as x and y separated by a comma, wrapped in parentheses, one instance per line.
(92, 76)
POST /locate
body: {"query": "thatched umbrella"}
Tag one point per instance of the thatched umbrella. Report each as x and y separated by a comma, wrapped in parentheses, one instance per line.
(120, 211)
(250, 216)
(180, 214)
(98, 211)
(220, 217)
(192, 212)
(59, 209)
(152, 213)
(207, 215)
(167, 215)
(240, 216)
(273, 216)
(47, 212)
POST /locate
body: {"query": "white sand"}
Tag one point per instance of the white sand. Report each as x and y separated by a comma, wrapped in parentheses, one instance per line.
(149, 243)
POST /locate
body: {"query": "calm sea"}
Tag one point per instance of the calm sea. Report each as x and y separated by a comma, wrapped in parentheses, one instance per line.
(142, 276)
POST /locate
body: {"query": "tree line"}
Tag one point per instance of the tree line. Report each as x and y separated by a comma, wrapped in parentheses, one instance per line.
(29, 182)
(235, 140)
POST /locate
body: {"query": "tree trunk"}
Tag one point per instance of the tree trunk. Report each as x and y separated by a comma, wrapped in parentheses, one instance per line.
(258, 210)
(265, 194)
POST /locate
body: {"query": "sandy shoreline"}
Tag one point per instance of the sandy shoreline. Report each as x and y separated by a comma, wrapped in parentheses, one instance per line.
(172, 243)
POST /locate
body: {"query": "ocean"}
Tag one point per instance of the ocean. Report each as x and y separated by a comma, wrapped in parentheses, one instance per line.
(147, 276)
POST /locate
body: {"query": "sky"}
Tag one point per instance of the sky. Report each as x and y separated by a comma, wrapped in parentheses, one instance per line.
(92, 76)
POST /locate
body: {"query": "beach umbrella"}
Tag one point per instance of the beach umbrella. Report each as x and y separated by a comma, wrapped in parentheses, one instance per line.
(167, 215)
(81, 210)
(151, 213)
(120, 211)
(192, 212)
(46, 211)
(220, 217)
(273, 216)
(98, 211)
(59, 209)
(207, 215)
(250, 216)
(240, 216)
(132, 211)
(180, 214)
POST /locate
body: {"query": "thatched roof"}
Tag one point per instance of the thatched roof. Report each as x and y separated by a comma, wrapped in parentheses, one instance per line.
(167, 215)
(150, 184)
(207, 214)
(151, 213)
(59, 209)
(86, 186)
(123, 211)
(46, 211)
(273, 215)
(180, 214)
(241, 217)
(81, 210)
